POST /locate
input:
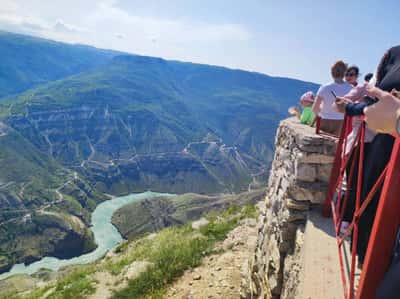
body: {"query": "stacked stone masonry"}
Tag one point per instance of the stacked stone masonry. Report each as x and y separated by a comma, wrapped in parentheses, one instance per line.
(298, 181)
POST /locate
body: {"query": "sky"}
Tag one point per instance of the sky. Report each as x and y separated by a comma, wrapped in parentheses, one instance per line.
(296, 39)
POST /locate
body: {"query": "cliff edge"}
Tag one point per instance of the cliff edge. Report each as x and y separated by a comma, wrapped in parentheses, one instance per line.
(296, 189)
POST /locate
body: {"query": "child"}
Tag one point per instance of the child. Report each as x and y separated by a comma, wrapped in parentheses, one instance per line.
(307, 116)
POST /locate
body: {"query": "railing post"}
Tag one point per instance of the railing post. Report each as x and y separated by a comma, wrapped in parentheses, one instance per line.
(384, 230)
(326, 209)
(318, 127)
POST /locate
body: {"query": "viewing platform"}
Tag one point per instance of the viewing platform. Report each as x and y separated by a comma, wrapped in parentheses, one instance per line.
(301, 254)
(320, 276)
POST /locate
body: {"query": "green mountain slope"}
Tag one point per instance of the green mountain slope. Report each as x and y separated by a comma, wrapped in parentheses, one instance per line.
(120, 125)
(215, 124)
(28, 61)
(31, 184)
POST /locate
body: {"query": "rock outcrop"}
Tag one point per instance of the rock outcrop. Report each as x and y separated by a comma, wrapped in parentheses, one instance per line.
(298, 181)
(152, 215)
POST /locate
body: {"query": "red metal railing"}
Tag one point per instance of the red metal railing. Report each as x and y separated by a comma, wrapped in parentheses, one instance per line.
(387, 218)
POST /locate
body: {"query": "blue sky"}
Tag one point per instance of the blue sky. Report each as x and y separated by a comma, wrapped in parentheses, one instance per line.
(298, 39)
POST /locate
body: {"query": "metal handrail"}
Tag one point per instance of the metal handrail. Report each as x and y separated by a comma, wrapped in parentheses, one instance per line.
(387, 219)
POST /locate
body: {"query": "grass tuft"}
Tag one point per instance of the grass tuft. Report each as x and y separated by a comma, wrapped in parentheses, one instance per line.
(175, 250)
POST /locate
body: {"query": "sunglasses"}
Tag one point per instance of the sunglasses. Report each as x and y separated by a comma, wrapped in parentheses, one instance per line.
(351, 74)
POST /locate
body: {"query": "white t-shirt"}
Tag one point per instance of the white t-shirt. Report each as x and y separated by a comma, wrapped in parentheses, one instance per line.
(325, 92)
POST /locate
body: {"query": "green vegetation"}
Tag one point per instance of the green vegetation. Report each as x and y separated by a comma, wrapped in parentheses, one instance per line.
(76, 285)
(168, 254)
(28, 164)
(122, 124)
(29, 61)
(172, 252)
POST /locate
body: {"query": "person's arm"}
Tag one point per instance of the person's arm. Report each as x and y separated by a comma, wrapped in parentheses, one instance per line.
(356, 93)
(314, 121)
(297, 112)
(355, 109)
(316, 108)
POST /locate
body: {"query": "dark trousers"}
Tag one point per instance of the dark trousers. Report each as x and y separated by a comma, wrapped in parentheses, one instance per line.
(375, 162)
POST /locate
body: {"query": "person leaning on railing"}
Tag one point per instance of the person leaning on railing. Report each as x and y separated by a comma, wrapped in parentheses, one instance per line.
(331, 120)
(356, 95)
(382, 117)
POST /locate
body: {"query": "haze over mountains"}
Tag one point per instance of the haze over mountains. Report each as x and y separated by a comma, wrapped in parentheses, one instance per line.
(77, 122)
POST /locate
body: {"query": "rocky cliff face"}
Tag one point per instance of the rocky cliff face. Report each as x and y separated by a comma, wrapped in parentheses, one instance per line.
(121, 152)
(41, 233)
(152, 215)
(298, 181)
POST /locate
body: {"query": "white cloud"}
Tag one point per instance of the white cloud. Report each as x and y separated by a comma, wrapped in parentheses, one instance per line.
(61, 26)
(166, 29)
(106, 25)
(11, 16)
(31, 26)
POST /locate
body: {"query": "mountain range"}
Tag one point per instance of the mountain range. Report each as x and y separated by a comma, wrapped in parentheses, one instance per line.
(78, 123)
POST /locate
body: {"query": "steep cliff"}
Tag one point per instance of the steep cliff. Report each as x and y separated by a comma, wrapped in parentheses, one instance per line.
(152, 215)
(297, 184)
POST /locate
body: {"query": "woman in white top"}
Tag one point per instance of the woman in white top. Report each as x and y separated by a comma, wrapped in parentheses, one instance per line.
(331, 120)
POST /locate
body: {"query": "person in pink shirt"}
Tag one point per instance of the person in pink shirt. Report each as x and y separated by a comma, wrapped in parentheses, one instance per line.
(352, 74)
(356, 94)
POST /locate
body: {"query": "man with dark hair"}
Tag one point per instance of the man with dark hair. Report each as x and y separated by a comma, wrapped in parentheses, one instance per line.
(368, 77)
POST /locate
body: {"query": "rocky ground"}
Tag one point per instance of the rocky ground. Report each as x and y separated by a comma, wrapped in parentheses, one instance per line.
(220, 275)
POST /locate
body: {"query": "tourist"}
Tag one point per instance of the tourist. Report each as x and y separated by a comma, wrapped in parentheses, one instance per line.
(306, 101)
(368, 77)
(331, 120)
(380, 116)
(356, 95)
(352, 74)
(387, 79)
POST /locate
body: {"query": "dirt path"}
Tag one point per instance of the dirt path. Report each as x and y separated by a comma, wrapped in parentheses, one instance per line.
(220, 275)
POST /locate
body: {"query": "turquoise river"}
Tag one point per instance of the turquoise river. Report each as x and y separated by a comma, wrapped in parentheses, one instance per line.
(105, 234)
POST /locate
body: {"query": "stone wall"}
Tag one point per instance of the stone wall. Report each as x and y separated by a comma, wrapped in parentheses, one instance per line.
(298, 181)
